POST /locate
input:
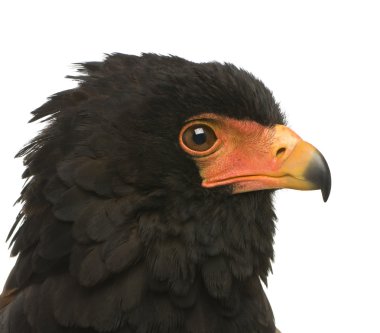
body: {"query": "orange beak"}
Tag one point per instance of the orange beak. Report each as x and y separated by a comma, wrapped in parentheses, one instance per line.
(252, 157)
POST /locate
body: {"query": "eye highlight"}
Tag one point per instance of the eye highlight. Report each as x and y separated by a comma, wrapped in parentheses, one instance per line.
(198, 137)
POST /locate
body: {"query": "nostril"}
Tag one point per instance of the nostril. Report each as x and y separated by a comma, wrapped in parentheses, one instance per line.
(280, 152)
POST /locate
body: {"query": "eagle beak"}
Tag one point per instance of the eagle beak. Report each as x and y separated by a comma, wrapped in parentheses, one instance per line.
(314, 169)
(279, 158)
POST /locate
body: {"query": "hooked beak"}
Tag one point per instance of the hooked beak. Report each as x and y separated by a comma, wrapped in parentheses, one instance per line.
(279, 158)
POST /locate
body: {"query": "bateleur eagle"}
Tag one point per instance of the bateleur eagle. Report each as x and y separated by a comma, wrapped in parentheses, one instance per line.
(148, 201)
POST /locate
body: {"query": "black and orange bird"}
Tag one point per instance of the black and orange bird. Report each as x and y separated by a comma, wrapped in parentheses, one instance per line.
(148, 201)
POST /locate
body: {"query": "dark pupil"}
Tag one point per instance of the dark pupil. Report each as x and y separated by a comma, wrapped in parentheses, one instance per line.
(199, 136)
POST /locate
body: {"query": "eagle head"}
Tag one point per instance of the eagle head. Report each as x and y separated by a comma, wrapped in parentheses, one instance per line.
(148, 202)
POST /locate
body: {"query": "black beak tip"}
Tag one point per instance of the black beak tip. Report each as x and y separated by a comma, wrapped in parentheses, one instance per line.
(318, 173)
(326, 187)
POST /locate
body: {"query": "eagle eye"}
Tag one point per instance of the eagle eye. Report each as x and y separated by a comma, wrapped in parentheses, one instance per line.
(199, 137)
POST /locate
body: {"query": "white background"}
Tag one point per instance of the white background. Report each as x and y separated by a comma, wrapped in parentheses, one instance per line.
(322, 61)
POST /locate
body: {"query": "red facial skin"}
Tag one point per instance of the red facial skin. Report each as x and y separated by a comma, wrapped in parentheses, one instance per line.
(250, 156)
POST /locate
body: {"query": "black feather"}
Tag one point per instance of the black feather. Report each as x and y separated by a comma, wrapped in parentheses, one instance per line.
(122, 250)
(92, 269)
(217, 277)
(72, 204)
(116, 233)
(55, 240)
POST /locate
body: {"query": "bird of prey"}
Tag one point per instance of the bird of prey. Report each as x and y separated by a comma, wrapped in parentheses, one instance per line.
(148, 201)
